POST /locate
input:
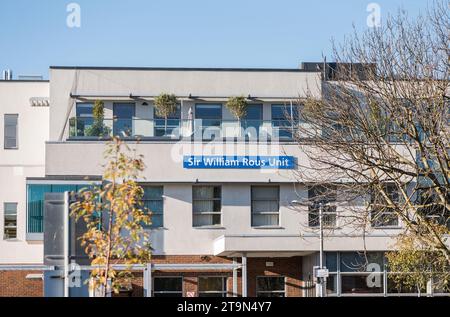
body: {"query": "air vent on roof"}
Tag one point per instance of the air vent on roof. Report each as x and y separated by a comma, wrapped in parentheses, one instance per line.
(7, 74)
(30, 77)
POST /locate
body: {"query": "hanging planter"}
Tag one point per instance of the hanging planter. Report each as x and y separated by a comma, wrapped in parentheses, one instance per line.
(165, 105)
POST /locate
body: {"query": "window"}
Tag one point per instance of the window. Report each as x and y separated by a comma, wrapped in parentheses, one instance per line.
(265, 206)
(206, 204)
(153, 201)
(381, 215)
(10, 221)
(356, 275)
(215, 286)
(322, 197)
(270, 286)
(211, 119)
(253, 120)
(84, 119)
(163, 128)
(35, 203)
(123, 119)
(284, 119)
(11, 122)
(168, 287)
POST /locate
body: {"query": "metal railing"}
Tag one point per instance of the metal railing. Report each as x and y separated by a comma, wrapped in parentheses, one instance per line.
(200, 129)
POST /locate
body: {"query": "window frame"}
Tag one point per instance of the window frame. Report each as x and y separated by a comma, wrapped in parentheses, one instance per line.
(252, 213)
(284, 292)
(4, 220)
(380, 213)
(212, 213)
(224, 292)
(16, 147)
(152, 200)
(329, 204)
(168, 292)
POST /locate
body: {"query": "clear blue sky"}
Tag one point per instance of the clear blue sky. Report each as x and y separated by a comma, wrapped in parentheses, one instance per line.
(179, 33)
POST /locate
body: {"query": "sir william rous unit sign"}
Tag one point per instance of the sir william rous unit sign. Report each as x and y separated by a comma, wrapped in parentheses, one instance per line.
(239, 162)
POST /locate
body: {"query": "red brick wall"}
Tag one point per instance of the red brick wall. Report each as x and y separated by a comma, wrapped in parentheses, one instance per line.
(15, 284)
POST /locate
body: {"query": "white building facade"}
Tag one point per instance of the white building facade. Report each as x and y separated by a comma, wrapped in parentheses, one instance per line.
(212, 201)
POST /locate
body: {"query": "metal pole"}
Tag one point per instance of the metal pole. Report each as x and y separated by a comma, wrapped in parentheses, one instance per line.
(148, 280)
(244, 275)
(66, 244)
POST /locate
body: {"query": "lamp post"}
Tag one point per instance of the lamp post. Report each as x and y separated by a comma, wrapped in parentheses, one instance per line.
(321, 271)
(321, 286)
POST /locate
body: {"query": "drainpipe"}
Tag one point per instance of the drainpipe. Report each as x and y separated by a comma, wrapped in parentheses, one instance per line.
(235, 275)
(244, 275)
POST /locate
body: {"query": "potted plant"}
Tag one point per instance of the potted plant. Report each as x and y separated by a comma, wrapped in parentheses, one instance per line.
(238, 107)
(165, 105)
(98, 128)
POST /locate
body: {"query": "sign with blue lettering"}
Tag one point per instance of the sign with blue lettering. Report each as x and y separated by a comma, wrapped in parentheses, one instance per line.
(239, 162)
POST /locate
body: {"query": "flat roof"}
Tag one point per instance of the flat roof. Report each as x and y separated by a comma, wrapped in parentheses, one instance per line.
(205, 69)
(24, 81)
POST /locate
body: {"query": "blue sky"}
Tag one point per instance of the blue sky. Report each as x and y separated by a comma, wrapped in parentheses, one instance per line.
(179, 33)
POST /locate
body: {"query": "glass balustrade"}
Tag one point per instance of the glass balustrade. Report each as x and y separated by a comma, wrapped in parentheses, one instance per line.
(197, 129)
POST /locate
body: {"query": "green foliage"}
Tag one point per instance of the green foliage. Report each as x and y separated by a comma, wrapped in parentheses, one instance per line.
(115, 218)
(237, 106)
(98, 128)
(418, 262)
(165, 105)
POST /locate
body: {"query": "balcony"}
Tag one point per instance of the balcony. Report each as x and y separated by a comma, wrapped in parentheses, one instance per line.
(175, 129)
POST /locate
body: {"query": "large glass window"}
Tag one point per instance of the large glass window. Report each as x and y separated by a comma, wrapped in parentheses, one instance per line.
(165, 128)
(11, 131)
(35, 203)
(265, 205)
(322, 197)
(284, 120)
(253, 120)
(212, 286)
(207, 206)
(85, 118)
(153, 201)
(10, 221)
(270, 286)
(381, 214)
(123, 119)
(211, 119)
(168, 287)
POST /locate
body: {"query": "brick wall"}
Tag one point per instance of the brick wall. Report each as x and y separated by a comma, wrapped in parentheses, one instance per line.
(15, 284)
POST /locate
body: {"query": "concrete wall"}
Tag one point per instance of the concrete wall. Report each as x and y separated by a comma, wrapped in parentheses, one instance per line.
(26, 161)
(147, 82)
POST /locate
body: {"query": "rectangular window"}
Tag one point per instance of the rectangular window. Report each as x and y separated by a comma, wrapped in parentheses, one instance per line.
(285, 119)
(10, 221)
(165, 128)
(123, 114)
(265, 206)
(253, 120)
(207, 206)
(211, 119)
(153, 201)
(270, 286)
(11, 131)
(35, 203)
(215, 286)
(382, 215)
(168, 287)
(84, 119)
(325, 198)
